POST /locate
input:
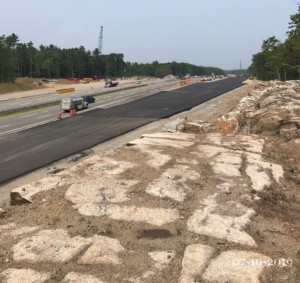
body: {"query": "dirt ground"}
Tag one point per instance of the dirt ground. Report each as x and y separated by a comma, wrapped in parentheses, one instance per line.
(272, 230)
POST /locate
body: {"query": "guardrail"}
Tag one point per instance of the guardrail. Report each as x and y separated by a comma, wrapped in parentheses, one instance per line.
(59, 91)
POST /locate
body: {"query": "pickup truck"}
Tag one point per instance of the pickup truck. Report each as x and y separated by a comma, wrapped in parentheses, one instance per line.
(111, 84)
(77, 103)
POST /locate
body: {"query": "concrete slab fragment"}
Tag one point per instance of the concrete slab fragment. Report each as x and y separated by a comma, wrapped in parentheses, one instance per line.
(260, 180)
(26, 192)
(74, 277)
(225, 221)
(226, 169)
(106, 189)
(172, 126)
(209, 151)
(195, 259)
(161, 143)
(103, 250)
(225, 268)
(172, 183)
(49, 246)
(174, 136)
(154, 216)
(257, 159)
(13, 275)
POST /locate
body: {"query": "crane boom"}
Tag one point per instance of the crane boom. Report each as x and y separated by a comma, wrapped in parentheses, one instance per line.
(100, 40)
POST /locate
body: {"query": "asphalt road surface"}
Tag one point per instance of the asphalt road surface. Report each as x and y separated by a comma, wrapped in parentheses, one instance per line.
(27, 150)
(22, 102)
(30, 119)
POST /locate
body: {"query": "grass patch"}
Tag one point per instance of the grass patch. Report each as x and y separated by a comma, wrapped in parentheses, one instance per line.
(11, 87)
(2, 115)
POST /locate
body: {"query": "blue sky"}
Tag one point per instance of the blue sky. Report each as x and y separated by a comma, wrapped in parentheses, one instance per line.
(209, 33)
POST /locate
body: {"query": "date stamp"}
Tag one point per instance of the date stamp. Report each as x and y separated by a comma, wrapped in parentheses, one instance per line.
(280, 262)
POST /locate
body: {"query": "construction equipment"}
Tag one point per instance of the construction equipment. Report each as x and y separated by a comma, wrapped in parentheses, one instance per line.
(100, 41)
(87, 80)
(251, 77)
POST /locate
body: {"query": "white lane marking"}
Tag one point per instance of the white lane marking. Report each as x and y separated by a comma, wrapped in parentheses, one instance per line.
(4, 126)
(28, 115)
(27, 127)
(44, 116)
(46, 111)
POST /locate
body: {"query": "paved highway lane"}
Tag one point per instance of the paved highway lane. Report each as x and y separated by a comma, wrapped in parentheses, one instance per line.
(54, 97)
(26, 120)
(30, 149)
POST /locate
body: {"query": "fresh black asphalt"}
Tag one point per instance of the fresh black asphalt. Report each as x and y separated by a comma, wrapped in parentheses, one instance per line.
(31, 149)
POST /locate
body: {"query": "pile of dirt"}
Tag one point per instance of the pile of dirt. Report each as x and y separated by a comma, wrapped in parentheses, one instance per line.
(65, 82)
(26, 80)
(134, 78)
(169, 77)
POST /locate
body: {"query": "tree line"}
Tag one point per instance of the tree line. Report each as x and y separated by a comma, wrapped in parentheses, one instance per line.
(279, 60)
(24, 60)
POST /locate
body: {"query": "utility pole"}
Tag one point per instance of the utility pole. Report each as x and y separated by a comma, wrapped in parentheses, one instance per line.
(240, 64)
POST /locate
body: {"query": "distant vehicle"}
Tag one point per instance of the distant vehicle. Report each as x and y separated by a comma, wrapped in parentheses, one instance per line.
(87, 80)
(45, 80)
(138, 82)
(183, 78)
(70, 103)
(88, 98)
(111, 84)
(54, 80)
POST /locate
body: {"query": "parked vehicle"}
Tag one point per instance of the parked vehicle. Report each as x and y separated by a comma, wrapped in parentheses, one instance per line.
(88, 98)
(183, 78)
(111, 84)
(138, 82)
(70, 103)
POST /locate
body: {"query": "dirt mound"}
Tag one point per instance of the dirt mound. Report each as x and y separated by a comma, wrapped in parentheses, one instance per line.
(135, 78)
(25, 80)
(169, 77)
(65, 82)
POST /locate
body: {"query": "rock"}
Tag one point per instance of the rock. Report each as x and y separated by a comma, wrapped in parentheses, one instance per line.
(195, 259)
(172, 183)
(260, 180)
(222, 221)
(103, 250)
(49, 246)
(162, 258)
(74, 277)
(154, 216)
(228, 267)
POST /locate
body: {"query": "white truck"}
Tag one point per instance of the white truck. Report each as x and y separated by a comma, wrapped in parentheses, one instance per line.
(70, 103)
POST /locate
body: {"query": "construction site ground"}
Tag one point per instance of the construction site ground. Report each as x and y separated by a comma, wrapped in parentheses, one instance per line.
(164, 207)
